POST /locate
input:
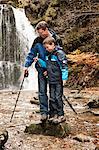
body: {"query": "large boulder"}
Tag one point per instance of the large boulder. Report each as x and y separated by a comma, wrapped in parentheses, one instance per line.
(3, 137)
(57, 130)
(94, 102)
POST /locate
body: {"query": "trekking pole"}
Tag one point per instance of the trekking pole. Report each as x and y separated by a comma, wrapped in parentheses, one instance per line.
(69, 104)
(17, 100)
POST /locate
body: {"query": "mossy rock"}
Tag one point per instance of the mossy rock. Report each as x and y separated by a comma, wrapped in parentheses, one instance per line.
(55, 3)
(51, 12)
(3, 137)
(57, 130)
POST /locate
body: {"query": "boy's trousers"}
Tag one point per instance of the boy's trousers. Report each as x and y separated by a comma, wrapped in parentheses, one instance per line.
(55, 101)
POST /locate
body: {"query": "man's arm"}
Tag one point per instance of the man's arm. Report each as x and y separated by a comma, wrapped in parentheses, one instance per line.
(29, 59)
(33, 52)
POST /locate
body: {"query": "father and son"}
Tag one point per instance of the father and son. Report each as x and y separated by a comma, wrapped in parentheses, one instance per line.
(51, 64)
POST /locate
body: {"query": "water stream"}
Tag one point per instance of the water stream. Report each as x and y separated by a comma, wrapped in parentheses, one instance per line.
(16, 38)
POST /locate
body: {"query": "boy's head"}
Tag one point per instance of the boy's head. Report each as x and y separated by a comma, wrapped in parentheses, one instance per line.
(49, 43)
(42, 29)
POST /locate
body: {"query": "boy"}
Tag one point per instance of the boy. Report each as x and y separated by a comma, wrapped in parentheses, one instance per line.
(57, 71)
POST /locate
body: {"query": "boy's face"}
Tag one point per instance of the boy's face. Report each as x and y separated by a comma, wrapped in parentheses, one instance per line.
(49, 47)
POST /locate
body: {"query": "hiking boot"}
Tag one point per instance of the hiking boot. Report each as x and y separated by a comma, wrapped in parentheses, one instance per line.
(43, 117)
(53, 118)
(60, 119)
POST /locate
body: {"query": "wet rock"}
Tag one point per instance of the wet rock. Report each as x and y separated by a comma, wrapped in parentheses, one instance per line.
(3, 137)
(14, 92)
(59, 130)
(97, 148)
(3, 1)
(36, 110)
(33, 101)
(36, 97)
(82, 138)
(95, 112)
(94, 102)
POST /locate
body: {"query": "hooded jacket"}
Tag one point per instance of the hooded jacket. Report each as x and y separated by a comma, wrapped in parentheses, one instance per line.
(56, 66)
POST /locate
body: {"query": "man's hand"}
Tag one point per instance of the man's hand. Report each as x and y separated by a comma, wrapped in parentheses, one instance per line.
(26, 72)
(45, 73)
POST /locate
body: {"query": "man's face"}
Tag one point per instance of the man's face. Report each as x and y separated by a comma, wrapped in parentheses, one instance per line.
(43, 33)
(49, 47)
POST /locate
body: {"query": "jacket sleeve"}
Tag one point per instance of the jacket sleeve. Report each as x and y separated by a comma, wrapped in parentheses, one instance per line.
(63, 64)
(29, 59)
(42, 63)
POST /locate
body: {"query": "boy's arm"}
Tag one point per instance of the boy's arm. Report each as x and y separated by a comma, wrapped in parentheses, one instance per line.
(42, 63)
(63, 64)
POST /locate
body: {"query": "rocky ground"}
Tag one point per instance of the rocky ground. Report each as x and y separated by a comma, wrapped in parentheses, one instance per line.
(84, 126)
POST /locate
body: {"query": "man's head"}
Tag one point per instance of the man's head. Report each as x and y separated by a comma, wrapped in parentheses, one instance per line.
(49, 43)
(42, 29)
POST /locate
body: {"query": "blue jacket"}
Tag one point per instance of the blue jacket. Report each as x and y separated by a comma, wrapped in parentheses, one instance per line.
(56, 65)
(38, 49)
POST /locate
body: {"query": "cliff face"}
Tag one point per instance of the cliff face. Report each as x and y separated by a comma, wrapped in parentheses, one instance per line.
(75, 21)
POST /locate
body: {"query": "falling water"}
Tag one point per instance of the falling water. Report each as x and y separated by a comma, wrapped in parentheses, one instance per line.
(27, 35)
(16, 38)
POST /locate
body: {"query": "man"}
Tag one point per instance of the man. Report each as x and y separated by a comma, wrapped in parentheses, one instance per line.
(38, 50)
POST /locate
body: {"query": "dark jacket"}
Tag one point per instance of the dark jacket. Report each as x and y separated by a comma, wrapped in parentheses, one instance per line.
(56, 65)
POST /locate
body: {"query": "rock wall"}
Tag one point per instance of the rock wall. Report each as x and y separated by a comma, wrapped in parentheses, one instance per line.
(75, 21)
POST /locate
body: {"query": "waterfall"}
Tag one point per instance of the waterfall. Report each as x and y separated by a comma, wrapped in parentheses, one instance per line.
(16, 38)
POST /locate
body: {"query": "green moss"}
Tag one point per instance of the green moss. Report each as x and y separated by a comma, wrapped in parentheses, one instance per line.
(51, 12)
(59, 130)
(55, 3)
(13, 3)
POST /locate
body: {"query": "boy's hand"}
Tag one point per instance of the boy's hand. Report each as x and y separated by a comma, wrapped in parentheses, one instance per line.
(45, 73)
(35, 59)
